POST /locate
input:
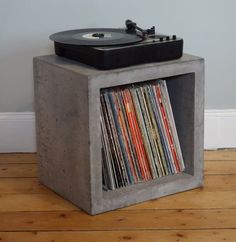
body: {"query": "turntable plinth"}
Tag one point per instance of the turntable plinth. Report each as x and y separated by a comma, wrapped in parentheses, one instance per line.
(67, 106)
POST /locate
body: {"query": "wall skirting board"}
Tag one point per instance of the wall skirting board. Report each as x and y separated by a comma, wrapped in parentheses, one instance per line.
(17, 130)
(220, 128)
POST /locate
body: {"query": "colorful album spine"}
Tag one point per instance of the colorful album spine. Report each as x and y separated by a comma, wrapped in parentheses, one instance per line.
(155, 132)
(139, 136)
(162, 130)
(108, 145)
(156, 128)
(118, 161)
(124, 134)
(136, 135)
(144, 130)
(167, 128)
(170, 115)
(129, 137)
(120, 136)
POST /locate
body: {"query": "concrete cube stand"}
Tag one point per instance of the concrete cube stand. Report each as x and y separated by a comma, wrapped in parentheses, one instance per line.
(67, 104)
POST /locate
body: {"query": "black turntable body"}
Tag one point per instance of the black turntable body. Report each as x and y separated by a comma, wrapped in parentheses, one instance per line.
(113, 48)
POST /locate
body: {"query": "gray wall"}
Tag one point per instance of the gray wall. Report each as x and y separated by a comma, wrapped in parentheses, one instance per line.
(207, 26)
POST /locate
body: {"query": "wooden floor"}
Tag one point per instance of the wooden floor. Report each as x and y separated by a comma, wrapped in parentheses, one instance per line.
(30, 212)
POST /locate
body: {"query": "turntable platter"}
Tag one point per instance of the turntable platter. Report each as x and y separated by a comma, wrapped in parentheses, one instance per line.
(95, 37)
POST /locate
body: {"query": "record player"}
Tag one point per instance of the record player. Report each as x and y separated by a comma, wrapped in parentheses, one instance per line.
(108, 48)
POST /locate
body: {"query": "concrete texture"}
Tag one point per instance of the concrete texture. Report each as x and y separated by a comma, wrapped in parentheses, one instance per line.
(67, 103)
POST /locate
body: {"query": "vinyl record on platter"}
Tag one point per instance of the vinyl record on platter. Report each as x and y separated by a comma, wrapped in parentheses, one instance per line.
(95, 37)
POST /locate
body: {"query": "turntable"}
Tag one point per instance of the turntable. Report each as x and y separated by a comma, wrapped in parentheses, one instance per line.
(108, 48)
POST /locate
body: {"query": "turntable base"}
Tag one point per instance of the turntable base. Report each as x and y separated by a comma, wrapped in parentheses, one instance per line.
(110, 57)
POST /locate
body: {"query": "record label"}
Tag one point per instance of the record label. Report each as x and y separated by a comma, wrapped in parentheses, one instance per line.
(94, 35)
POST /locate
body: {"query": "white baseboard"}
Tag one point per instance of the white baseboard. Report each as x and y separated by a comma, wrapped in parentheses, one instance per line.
(17, 131)
(220, 129)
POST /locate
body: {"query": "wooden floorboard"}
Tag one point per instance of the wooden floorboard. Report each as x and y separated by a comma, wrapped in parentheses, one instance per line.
(209, 235)
(18, 158)
(213, 183)
(26, 170)
(220, 167)
(187, 200)
(119, 220)
(224, 154)
(18, 170)
(30, 212)
(23, 186)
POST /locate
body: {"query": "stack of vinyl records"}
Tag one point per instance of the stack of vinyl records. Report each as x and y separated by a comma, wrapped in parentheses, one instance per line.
(139, 136)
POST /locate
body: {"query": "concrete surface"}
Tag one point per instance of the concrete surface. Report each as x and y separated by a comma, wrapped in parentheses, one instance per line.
(67, 104)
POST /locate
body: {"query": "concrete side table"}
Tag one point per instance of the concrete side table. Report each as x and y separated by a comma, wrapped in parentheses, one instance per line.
(67, 104)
